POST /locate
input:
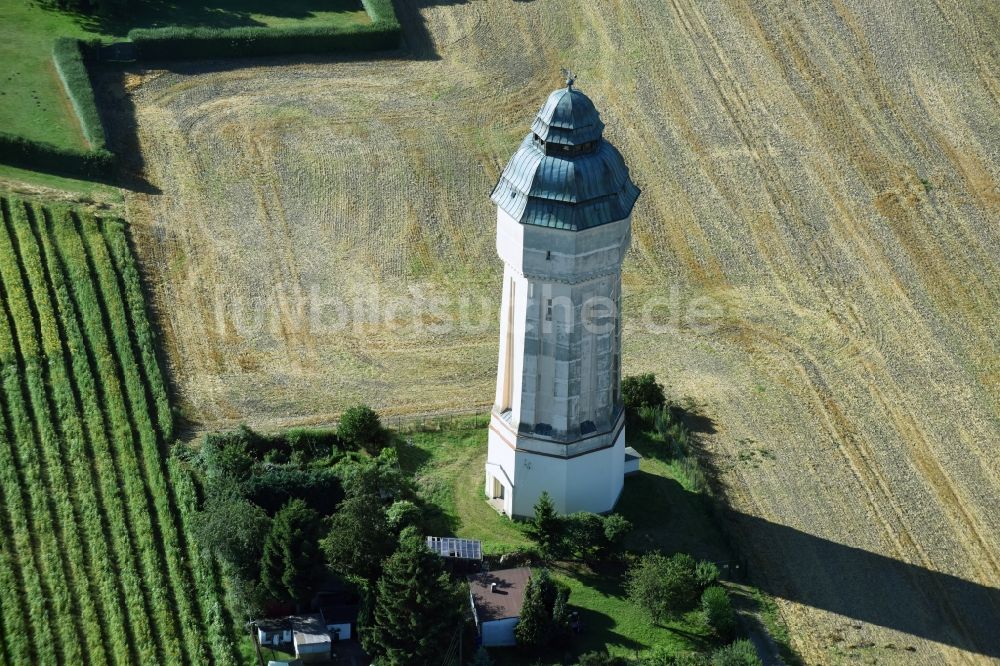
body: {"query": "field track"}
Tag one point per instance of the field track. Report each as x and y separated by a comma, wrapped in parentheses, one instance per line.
(95, 565)
(814, 262)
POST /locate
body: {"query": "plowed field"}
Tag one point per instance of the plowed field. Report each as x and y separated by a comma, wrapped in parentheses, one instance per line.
(819, 226)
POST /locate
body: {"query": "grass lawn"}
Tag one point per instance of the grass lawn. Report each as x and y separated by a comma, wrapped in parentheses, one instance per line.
(32, 101)
(448, 466)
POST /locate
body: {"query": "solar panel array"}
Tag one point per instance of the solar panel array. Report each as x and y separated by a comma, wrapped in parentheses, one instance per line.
(462, 549)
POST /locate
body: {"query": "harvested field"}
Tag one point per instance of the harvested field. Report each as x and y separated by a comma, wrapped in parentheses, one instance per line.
(819, 225)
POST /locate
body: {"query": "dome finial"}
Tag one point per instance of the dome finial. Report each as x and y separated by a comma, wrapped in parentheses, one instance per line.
(570, 78)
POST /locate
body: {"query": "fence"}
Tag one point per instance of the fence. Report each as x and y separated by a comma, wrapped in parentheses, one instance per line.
(464, 419)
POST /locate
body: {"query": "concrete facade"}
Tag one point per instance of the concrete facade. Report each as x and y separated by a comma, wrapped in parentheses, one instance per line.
(564, 205)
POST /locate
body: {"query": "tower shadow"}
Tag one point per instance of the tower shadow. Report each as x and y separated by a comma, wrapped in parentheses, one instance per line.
(870, 587)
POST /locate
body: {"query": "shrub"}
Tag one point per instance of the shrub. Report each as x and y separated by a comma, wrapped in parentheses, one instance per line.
(663, 586)
(717, 609)
(361, 426)
(616, 526)
(662, 656)
(68, 59)
(193, 43)
(706, 573)
(402, 514)
(596, 658)
(276, 486)
(640, 391)
(737, 653)
(21, 152)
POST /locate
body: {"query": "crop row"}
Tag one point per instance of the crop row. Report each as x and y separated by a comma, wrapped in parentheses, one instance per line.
(97, 568)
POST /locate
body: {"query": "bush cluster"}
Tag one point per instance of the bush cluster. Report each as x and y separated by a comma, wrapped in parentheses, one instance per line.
(588, 536)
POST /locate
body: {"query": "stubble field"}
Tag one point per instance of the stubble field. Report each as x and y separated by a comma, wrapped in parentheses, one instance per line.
(814, 262)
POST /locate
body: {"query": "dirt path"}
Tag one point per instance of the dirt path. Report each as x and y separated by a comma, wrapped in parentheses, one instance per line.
(814, 261)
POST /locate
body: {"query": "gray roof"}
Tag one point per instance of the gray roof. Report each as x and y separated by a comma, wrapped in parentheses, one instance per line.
(565, 175)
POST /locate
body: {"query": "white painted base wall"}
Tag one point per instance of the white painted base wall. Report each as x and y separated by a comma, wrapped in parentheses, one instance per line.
(589, 482)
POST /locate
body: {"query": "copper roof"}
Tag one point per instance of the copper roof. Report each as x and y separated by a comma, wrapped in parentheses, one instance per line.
(508, 598)
(565, 175)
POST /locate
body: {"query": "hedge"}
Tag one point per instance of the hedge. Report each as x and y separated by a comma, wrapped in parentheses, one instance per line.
(41, 156)
(193, 43)
(68, 58)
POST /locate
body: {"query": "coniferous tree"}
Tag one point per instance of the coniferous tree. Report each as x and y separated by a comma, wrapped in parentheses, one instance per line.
(547, 527)
(561, 630)
(291, 559)
(482, 658)
(417, 607)
(532, 630)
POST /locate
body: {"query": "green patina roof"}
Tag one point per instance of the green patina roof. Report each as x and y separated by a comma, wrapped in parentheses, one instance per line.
(565, 175)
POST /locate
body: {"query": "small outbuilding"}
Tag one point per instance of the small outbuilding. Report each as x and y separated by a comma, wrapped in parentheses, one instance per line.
(274, 632)
(307, 635)
(497, 598)
(310, 637)
(632, 460)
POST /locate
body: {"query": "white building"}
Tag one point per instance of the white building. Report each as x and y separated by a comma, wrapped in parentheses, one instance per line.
(564, 206)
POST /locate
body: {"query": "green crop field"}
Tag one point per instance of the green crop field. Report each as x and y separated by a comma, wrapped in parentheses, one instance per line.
(97, 568)
(33, 103)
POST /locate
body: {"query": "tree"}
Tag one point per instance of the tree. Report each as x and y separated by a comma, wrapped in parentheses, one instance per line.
(359, 538)
(482, 658)
(361, 426)
(640, 391)
(561, 629)
(547, 527)
(232, 528)
(291, 560)
(663, 586)
(417, 607)
(532, 629)
(737, 653)
(717, 609)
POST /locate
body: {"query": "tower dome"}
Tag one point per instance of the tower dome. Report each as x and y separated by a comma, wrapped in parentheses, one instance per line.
(565, 175)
